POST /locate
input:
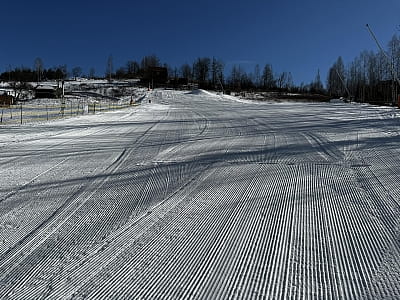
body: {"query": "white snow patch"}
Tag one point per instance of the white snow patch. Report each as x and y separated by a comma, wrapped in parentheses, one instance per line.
(336, 101)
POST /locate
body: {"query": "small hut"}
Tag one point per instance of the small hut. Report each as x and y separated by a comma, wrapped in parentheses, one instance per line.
(47, 91)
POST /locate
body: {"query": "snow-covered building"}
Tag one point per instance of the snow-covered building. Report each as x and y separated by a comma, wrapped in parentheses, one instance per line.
(47, 91)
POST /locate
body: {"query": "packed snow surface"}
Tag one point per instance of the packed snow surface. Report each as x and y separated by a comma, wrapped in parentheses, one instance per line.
(198, 196)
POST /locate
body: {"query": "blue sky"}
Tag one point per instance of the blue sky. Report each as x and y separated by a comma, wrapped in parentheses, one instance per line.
(296, 36)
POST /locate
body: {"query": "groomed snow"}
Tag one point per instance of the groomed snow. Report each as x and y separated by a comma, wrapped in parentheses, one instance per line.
(202, 196)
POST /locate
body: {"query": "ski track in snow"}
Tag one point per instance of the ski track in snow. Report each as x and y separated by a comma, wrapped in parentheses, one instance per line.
(200, 196)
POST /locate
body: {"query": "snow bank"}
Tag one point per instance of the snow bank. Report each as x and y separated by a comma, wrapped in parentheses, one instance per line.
(202, 93)
(336, 100)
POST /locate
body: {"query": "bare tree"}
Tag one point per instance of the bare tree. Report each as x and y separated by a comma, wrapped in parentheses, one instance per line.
(280, 80)
(38, 65)
(235, 78)
(394, 51)
(150, 61)
(76, 72)
(92, 73)
(132, 68)
(201, 71)
(335, 77)
(268, 77)
(186, 71)
(217, 70)
(257, 76)
(288, 84)
(121, 73)
(171, 71)
(316, 86)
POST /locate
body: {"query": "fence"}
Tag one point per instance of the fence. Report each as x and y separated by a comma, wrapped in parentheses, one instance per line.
(27, 113)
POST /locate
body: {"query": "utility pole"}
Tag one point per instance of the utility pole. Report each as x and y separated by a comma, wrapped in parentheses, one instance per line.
(395, 79)
(62, 98)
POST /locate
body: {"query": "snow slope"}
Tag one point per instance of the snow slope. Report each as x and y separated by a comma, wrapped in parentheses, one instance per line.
(196, 196)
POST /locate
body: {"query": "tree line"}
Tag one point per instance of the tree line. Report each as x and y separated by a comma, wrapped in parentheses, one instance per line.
(207, 72)
(369, 77)
(210, 73)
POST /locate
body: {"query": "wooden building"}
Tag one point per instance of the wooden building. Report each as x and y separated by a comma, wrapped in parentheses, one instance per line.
(6, 100)
(47, 91)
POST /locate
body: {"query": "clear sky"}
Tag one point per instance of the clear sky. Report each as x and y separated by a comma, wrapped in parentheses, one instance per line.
(296, 36)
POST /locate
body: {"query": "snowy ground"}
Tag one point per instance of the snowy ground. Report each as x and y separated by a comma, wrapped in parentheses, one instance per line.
(77, 102)
(203, 197)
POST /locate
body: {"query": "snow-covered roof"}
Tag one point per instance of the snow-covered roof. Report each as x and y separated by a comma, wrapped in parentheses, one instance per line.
(46, 87)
